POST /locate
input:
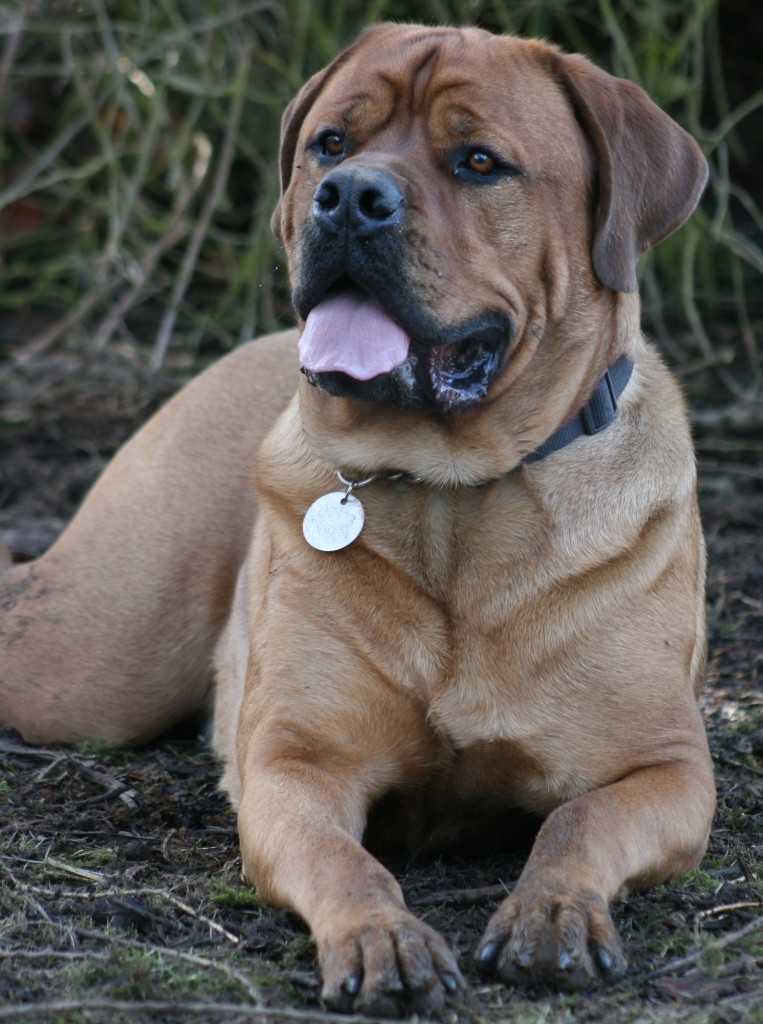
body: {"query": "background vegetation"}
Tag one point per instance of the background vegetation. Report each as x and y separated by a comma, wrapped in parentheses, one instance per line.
(139, 137)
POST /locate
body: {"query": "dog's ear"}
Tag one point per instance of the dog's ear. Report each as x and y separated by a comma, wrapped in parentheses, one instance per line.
(651, 173)
(291, 122)
(295, 114)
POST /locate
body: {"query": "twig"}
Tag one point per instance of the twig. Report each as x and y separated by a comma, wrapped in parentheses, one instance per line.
(724, 357)
(158, 893)
(47, 769)
(175, 1007)
(51, 954)
(35, 753)
(199, 916)
(36, 346)
(75, 872)
(726, 909)
(205, 218)
(27, 893)
(26, 181)
(10, 50)
(111, 785)
(732, 119)
(721, 758)
(191, 958)
(107, 781)
(462, 897)
(732, 469)
(727, 940)
(747, 872)
(174, 234)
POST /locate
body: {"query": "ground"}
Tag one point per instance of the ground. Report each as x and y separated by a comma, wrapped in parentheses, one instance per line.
(120, 889)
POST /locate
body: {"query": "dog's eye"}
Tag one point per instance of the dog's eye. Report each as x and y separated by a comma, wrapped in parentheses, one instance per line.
(481, 165)
(331, 143)
(480, 162)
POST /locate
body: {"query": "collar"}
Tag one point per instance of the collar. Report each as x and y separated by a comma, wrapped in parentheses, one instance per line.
(595, 416)
(334, 520)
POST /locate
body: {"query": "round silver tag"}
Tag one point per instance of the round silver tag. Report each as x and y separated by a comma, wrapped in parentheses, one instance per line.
(333, 521)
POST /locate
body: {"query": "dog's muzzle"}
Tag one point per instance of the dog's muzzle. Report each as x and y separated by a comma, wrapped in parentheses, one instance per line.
(367, 335)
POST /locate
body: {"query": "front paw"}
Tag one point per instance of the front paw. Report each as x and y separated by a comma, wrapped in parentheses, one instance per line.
(388, 964)
(564, 940)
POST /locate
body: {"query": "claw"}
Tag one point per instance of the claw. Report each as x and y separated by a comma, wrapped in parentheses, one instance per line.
(393, 969)
(562, 939)
(351, 985)
(450, 982)
(488, 955)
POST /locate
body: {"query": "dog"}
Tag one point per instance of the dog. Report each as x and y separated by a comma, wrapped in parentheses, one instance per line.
(460, 572)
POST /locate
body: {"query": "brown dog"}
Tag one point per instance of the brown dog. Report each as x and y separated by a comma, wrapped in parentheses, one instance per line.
(462, 215)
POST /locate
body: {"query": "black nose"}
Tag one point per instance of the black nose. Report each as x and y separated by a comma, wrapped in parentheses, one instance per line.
(363, 199)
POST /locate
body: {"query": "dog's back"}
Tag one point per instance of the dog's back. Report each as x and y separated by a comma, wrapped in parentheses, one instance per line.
(109, 635)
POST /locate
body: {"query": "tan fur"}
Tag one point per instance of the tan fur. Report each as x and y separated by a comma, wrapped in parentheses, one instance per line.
(501, 635)
(96, 640)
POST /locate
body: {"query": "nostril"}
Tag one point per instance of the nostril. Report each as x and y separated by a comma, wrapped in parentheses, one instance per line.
(376, 204)
(327, 196)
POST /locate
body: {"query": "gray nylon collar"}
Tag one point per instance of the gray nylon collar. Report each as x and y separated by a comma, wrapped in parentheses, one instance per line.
(595, 416)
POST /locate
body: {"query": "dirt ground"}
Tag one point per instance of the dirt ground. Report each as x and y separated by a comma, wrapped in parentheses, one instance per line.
(120, 890)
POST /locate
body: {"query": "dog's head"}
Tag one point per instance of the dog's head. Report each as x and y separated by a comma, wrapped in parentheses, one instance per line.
(458, 206)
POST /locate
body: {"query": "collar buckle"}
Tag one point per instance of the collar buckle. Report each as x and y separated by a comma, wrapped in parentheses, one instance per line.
(596, 415)
(601, 408)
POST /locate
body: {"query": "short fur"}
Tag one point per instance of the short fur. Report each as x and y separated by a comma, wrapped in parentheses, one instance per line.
(501, 635)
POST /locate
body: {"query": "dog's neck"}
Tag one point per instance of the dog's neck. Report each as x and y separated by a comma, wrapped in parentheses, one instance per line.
(594, 416)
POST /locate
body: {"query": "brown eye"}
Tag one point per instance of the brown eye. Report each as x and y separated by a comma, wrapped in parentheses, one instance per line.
(480, 162)
(333, 144)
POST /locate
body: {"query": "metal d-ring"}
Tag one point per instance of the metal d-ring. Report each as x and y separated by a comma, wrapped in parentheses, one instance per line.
(352, 484)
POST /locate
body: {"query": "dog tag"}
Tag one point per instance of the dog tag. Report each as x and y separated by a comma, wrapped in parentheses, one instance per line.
(333, 521)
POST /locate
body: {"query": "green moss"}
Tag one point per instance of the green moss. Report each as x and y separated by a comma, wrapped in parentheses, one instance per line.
(240, 897)
(95, 857)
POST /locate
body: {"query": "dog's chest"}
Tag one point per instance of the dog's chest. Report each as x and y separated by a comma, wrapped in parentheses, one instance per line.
(482, 560)
(496, 698)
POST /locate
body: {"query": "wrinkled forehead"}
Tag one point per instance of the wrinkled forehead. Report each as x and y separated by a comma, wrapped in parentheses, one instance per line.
(462, 81)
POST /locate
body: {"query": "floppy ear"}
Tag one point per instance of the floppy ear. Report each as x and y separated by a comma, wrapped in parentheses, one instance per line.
(295, 114)
(291, 122)
(651, 173)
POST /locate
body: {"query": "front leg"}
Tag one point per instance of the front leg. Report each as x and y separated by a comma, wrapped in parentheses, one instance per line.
(556, 927)
(306, 793)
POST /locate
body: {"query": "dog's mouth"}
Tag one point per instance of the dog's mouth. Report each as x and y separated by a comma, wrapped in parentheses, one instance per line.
(352, 346)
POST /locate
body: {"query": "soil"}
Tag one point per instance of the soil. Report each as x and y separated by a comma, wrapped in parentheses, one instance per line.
(120, 889)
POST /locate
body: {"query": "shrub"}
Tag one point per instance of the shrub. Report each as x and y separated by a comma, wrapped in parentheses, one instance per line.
(139, 140)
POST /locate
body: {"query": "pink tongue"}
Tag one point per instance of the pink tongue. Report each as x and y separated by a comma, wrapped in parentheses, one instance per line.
(353, 335)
